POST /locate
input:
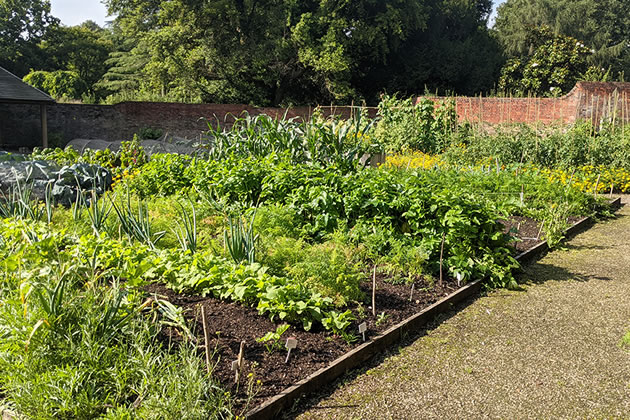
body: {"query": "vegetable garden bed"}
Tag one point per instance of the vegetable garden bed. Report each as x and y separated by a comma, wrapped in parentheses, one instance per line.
(276, 235)
(310, 364)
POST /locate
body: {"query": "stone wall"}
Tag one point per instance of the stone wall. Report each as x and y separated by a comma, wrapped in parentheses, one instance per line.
(20, 124)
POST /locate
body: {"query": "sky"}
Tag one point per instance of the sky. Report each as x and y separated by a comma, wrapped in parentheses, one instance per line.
(74, 12)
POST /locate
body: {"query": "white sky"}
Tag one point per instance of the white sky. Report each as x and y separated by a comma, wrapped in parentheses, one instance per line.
(74, 12)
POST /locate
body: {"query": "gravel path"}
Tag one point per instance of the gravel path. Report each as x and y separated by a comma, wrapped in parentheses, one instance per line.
(549, 351)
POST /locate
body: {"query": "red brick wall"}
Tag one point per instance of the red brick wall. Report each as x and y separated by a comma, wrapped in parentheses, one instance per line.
(19, 124)
(594, 101)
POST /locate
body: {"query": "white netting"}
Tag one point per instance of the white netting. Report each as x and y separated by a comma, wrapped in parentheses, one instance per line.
(167, 145)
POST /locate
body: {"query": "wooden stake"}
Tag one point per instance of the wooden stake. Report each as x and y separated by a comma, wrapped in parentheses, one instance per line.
(597, 184)
(442, 257)
(206, 340)
(374, 292)
(239, 362)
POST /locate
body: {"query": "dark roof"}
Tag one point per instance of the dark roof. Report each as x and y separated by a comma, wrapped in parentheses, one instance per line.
(13, 89)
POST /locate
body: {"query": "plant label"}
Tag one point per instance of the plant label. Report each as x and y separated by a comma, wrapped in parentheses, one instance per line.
(291, 344)
(459, 278)
(363, 329)
(522, 198)
(235, 365)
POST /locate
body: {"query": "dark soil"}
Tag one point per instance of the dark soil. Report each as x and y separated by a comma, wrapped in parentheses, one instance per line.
(228, 324)
(527, 231)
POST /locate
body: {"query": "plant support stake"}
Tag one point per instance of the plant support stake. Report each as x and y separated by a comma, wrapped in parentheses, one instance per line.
(442, 256)
(374, 292)
(206, 340)
(237, 365)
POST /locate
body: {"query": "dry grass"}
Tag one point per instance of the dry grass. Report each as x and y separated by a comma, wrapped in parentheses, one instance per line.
(550, 351)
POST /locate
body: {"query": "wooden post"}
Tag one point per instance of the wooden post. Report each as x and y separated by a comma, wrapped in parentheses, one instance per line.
(374, 292)
(42, 109)
(206, 340)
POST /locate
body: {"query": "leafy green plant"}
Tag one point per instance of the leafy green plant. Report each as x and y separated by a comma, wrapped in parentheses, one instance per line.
(381, 318)
(337, 322)
(271, 340)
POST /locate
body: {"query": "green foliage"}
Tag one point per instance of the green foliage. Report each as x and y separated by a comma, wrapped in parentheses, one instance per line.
(82, 49)
(603, 26)
(73, 348)
(556, 63)
(424, 126)
(23, 24)
(338, 322)
(136, 223)
(131, 154)
(271, 340)
(240, 240)
(325, 268)
(60, 84)
(551, 147)
(295, 52)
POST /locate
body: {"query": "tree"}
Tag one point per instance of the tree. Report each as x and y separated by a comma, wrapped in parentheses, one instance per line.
(82, 49)
(58, 84)
(556, 63)
(23, 24)
(603, 26)
(283, 52)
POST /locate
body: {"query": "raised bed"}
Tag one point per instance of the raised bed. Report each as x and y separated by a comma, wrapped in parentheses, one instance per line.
(282, 401)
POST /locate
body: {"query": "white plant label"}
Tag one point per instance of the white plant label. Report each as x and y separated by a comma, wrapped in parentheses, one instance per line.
(459, 278)
(522, 198)
(363, 329)
(291, 344)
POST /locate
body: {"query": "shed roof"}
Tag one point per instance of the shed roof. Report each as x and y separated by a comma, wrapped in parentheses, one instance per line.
(13, 89)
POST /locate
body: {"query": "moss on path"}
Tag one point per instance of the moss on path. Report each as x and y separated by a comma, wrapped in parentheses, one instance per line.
(549, 351)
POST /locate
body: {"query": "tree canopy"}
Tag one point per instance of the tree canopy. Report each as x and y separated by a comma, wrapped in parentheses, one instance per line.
(283, 52)
(603, 26)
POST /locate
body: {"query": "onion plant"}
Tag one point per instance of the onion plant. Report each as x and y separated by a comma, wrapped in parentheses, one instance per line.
(98, 210)
(186, 230)
(136, 224)
(241, 241)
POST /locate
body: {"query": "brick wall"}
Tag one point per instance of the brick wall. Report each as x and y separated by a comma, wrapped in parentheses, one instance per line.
(595, 101)
(20, 124)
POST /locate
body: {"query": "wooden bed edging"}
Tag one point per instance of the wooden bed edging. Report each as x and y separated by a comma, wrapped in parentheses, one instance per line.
(273, 406)
(578, 227)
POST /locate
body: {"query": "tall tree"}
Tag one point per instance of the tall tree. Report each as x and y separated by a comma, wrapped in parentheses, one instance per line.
(288, 51)
(82, 49)
(23, 24)
(603, 26)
